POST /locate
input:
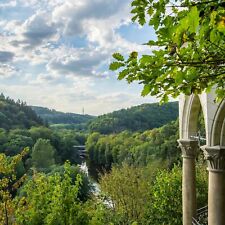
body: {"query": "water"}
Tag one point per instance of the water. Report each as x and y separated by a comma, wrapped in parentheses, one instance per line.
(84, 169)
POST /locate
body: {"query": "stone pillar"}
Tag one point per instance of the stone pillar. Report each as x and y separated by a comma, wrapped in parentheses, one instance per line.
(216, 194)
(189, 150)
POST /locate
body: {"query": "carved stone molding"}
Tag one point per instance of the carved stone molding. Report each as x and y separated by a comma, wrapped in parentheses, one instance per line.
(215, 156)
(189, 148)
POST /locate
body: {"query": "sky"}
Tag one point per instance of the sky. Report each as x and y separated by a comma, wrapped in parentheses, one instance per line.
(56, 53)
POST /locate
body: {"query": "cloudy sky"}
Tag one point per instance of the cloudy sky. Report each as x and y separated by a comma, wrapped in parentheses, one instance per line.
(56, 53)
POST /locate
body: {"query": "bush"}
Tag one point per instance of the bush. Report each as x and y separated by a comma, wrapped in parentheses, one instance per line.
(165, 206)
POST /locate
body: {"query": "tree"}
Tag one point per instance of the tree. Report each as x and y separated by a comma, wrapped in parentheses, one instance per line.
(165, 206)
(51, 200)
(8, 184)
(43, 154)
(188, 53)
(126, 190)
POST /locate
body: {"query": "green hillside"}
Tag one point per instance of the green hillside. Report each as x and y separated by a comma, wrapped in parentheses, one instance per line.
(137, 118)
(55, 117)
(16, 114)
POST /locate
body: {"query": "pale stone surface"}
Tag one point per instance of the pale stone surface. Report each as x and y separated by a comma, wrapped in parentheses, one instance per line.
(216, 195)
(189, 151)
(215, 157)
(214, 116)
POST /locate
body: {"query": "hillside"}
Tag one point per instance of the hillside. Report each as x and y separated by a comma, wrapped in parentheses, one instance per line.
(55, 117)
(137, 118)
(17, 114)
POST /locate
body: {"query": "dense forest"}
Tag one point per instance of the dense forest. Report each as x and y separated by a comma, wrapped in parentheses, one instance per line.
(137, 118)
(136, 148)
(134, 151)
(17, 114)
(62, 120)
(134, 166)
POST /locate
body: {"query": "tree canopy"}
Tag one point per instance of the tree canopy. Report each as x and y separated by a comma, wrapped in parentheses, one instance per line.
(137, 118)
(43, 154)
(188, 53)
(55, 117)
(16, 114)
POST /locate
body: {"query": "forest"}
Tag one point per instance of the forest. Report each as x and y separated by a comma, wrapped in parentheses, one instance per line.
(60, 118)
(136, 118)
(135, 167)
(41, 176)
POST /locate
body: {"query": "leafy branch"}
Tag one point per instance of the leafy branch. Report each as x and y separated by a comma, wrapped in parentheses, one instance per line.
(190, 56)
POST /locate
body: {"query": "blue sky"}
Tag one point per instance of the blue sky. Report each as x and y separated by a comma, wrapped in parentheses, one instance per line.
(55, 53)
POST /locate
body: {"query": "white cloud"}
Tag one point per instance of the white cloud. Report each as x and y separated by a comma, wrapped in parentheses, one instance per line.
(7, 70)
(35, 31)
(57, 74)
(32, 39)
(74, 14)
(8, 4)
(79, 62)
(42, 79)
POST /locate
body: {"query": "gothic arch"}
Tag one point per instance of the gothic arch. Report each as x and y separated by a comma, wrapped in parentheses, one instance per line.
(218, 126)
(189, 111)
(214, 152)
(214, 114)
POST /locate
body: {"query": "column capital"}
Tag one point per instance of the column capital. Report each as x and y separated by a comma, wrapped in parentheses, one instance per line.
(188, 147)
(215, 155)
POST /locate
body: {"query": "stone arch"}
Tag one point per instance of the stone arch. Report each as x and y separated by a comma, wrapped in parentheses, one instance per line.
(218, 126)
(189, 112)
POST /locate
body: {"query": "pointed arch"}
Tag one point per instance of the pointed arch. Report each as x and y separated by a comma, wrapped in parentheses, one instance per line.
(189, 116)
(218, 127)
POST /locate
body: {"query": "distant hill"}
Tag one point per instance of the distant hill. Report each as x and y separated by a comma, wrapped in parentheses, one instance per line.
(16, 114)
(55, 117)
(137, 118)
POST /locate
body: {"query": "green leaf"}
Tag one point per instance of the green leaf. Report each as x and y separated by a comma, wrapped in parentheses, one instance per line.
(213, 35)
(193, 19)
(118, 56)
(115, 66)
(135, 3)
(145, 59)
(123, 74)
(179, 77)
(133, 56)
(220, 94)
(141, 20)
(134, 18)
(150, 11)
(151, 43)
(146, 90)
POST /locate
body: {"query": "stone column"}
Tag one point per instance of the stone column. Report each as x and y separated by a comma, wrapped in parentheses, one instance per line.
(216, 194)
(189, 150)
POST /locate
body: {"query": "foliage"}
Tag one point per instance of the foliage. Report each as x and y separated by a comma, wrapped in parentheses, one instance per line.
(43, 154)
(76, 127)
(137, 118)
(52, 199)
(188, 53)
(126, 191)
(12, 141)
(56, 117)
(9, 182)
(165, 206)
(134, 148)
(97, 211)
(67, 139)
(86, 186)
(17, 114)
